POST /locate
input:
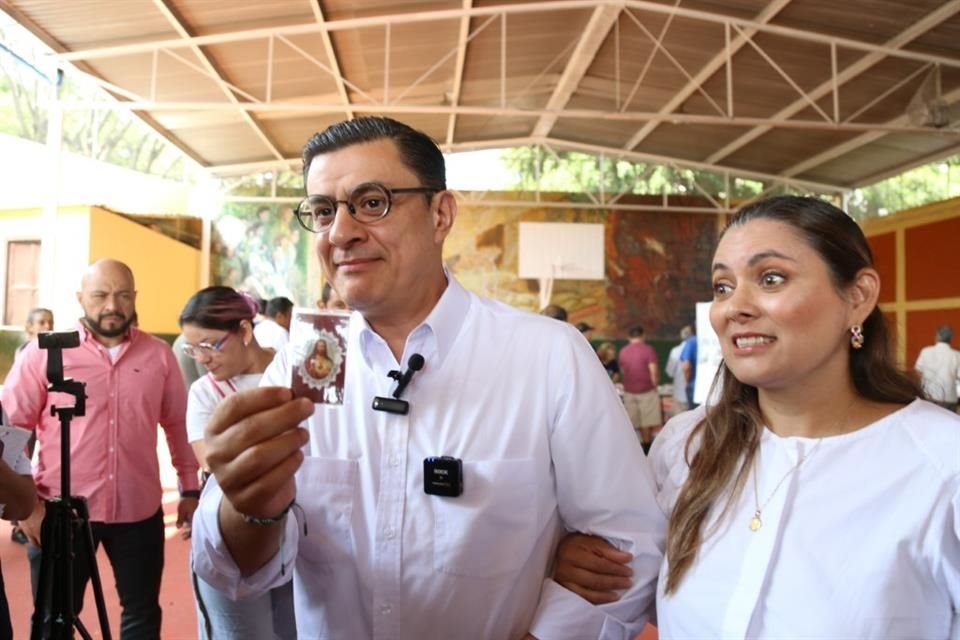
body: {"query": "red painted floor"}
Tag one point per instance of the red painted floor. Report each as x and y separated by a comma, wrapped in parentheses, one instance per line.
(176, 599)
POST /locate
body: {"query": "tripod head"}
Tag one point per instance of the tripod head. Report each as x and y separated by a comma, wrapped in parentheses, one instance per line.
(55, 342)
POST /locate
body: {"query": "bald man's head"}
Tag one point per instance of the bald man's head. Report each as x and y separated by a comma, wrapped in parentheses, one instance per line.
(108, 296)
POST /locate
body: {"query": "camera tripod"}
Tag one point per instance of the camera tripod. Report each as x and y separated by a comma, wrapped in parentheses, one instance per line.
(65, 535)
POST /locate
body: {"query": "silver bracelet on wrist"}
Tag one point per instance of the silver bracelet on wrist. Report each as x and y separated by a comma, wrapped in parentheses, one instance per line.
(268, 520)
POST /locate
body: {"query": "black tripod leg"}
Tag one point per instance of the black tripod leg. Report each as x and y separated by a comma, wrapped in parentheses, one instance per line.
(68, 552)
(45, 608)
(86, 539)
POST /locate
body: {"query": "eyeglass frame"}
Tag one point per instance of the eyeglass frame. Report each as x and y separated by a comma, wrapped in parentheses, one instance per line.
(205, 348)
(352, 210)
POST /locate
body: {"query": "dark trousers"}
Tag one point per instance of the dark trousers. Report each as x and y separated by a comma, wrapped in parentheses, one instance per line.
(135, 550)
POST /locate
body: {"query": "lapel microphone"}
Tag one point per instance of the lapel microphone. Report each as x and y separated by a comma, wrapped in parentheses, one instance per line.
(395, 404)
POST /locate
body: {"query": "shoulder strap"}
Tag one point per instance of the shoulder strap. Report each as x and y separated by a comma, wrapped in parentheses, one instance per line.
(230, 387)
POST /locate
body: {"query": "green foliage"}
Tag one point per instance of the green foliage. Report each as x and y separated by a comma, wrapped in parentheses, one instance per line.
(580, 174)
(117, 137)
(540, 169)
(915, 188)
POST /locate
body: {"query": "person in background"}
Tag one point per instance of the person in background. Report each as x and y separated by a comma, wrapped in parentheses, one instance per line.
(607, 352)
(397, 546)
(675, 371)
(818, 497)
(273, 332)
(554, 311)
(133, 384)
(330, 299)
(641, 375)
(38, 320)
(18, 494)
(585, 329)
(217, 326)
(939, 368)
(688, 365)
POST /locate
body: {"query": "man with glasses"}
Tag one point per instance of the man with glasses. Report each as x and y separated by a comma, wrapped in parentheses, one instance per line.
(438, 516)
(133, 384)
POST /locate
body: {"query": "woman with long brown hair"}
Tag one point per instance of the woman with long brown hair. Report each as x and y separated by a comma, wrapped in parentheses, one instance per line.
(818, 496)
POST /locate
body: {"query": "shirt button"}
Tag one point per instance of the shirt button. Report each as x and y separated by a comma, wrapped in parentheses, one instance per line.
(385, 610)
(390, 534)
(395, 461)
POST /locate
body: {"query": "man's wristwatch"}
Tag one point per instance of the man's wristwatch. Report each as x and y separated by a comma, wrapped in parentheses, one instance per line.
(190, 493)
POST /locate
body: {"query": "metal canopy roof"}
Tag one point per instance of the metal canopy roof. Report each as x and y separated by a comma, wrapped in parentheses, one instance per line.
(828, 94)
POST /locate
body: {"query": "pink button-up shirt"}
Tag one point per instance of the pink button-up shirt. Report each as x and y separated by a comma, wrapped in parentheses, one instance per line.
(113, 447)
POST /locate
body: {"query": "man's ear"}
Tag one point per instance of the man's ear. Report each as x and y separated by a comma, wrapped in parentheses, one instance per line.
(444, 215)
(864, 293)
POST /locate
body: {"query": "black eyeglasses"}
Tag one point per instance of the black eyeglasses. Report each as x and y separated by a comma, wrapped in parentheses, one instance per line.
(367, 203)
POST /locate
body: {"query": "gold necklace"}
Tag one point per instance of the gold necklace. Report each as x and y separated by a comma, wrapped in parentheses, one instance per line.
(756, 522)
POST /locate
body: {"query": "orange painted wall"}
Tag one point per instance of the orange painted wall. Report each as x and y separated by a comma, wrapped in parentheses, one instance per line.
(933, 270)
(884, 250)
(924, 291)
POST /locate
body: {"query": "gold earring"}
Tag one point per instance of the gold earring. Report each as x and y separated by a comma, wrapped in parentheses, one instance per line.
(856, 336)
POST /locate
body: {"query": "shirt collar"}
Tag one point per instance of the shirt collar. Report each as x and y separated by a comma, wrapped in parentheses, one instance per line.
(436, 334)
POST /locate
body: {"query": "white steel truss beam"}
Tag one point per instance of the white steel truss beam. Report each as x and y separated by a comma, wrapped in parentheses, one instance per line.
(332, 58)
(808, 185)
(599, 25)
(913, 163)
(461, 110)
(467, 200)
(552, 145)
(461, 62)
(175, 22)
(722, 58)
(506, 9)
(947, 10)
(855, 143)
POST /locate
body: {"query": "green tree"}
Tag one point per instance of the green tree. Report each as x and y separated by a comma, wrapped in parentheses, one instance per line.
(117, 137)
(538, 168)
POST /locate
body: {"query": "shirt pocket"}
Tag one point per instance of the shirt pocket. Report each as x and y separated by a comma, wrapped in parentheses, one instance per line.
(326, 490)
(497, 511)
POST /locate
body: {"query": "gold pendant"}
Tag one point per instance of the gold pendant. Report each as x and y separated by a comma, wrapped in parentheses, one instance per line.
(755, 522)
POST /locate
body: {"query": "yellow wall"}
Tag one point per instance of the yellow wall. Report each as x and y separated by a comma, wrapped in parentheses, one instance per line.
(167, 272)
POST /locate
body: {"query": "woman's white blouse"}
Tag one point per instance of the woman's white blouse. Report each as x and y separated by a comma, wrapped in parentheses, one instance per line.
(206, 393)
(862, 541)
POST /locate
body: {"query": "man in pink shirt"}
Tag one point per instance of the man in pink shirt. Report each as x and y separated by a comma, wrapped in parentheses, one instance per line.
(641, 375)
(133, 384)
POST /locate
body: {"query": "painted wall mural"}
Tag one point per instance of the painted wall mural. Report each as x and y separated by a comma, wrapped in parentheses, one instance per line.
(657, 264)
(261, 249)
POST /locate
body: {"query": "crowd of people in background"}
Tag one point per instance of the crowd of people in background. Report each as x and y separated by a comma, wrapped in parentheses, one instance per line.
(814, 492)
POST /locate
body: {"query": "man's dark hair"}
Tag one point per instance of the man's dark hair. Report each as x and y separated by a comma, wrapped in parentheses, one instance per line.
(554, 311)
(418, 151)
(944, 333)
(635, 331)
(277, 306)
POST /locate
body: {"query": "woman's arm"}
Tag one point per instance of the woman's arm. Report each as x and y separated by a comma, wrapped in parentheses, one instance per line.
(18, 494)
